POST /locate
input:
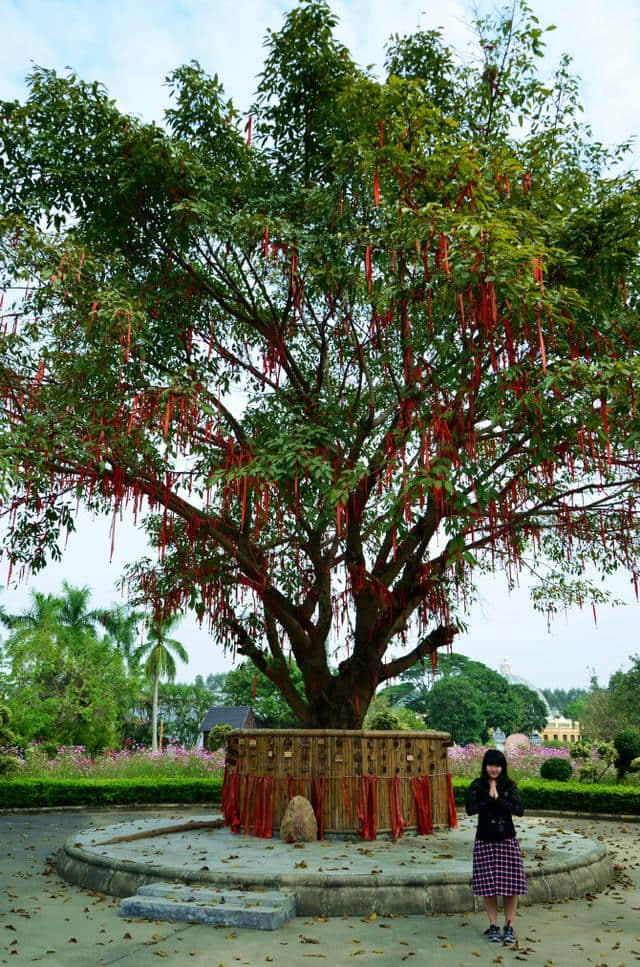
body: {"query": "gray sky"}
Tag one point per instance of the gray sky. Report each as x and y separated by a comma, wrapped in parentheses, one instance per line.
(130, 45)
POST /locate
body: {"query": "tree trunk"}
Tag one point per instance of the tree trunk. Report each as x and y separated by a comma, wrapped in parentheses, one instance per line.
(154, 713)
(342, 704)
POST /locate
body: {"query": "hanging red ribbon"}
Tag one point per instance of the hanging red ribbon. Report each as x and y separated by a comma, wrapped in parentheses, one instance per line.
(263, 807)
(258, 806)
(453, 816)
(254, 688)
(345, 795)
(367, 806)
(225, 792)
(317, 803)
(367, 267)
(421, 788)
(249, 782)
(542, 349)
(398, 825)
(376, 188)
(230, 797)
(233, 807)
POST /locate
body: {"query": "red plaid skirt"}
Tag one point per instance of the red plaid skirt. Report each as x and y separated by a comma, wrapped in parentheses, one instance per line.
(498, 869)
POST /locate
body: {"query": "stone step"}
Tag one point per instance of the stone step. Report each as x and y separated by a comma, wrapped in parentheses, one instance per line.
(207, 894)
(229, 908)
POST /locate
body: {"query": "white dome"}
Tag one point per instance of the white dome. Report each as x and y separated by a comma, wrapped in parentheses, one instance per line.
(505, 671)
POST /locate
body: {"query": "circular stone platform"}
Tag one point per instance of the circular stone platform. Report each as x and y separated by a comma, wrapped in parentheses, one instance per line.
(416, 875)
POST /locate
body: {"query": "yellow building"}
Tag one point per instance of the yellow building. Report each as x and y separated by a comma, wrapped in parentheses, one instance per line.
(561, 730)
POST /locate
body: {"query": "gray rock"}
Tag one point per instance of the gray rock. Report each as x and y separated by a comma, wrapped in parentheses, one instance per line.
(299, 824)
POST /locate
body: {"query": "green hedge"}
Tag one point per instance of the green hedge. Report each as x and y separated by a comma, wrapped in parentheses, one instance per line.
(536, 793)
(569, 796)
(25, 793)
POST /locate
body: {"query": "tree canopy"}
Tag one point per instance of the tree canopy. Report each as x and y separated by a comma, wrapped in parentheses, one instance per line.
(338, 356)
(475, 699)
(62, 683)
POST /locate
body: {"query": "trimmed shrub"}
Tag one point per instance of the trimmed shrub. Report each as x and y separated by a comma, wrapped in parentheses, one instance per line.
(25, 793)
(560, 770)
(217, 737)
(570, 796)
(384, 721)
(627, 743)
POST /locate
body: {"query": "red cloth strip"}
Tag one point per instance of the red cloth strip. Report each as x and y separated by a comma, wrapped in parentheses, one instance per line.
(248, 792)
(421, 788)
(317, 802)
(453, 816)
(345, 797)
(398, 824)
(367, 806)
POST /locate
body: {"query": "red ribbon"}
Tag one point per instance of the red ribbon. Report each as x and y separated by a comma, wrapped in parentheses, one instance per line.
(453, 816)
(345, 795)
(249, 782)
(290, 788)
(376, 188)
(317, 803)
(230, 797)
(398, 824)
(421, 788)
(263, 807)
(367, 806)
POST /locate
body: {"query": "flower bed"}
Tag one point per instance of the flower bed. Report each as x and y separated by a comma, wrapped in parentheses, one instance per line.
(136, 762)
(524, 762)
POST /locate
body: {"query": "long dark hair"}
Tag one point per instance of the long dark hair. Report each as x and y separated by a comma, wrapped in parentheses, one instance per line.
(494, 757)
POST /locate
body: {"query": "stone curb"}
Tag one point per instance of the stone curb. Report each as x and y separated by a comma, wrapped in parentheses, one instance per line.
(108, 807)
(215, 806)
(317, 894)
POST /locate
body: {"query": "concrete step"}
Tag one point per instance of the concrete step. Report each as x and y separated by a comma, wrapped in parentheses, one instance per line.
(230, 908)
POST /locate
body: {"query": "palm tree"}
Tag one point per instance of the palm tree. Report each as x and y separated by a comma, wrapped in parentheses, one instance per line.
(43, 616)
(160, 663)
(121, 624)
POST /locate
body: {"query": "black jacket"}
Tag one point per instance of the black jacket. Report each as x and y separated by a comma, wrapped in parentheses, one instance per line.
(494, 815)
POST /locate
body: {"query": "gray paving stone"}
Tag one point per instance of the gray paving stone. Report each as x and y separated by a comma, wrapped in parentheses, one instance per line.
(229, 908)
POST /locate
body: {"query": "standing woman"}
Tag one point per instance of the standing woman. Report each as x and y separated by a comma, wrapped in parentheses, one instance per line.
(498, 869)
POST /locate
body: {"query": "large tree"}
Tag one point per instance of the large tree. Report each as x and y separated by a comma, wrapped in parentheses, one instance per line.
(349, 351)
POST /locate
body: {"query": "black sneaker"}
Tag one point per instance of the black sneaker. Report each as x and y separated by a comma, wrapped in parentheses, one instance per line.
(493, 933)
(508, 936)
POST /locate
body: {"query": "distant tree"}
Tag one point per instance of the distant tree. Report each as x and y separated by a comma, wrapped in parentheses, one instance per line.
(606, 711)
(123, 625)
(63, 684)
(533, 713)
(212, 684)
(182, 707)
(8, 760)
(500, 704)
(159, 662)
(561, 699)
(454, 706)
(268, 704)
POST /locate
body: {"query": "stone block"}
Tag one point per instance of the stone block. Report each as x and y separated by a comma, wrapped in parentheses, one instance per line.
(223, 909)
(299, 824)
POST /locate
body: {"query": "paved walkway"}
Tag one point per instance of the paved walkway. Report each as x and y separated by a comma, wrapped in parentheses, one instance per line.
(45, 920)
